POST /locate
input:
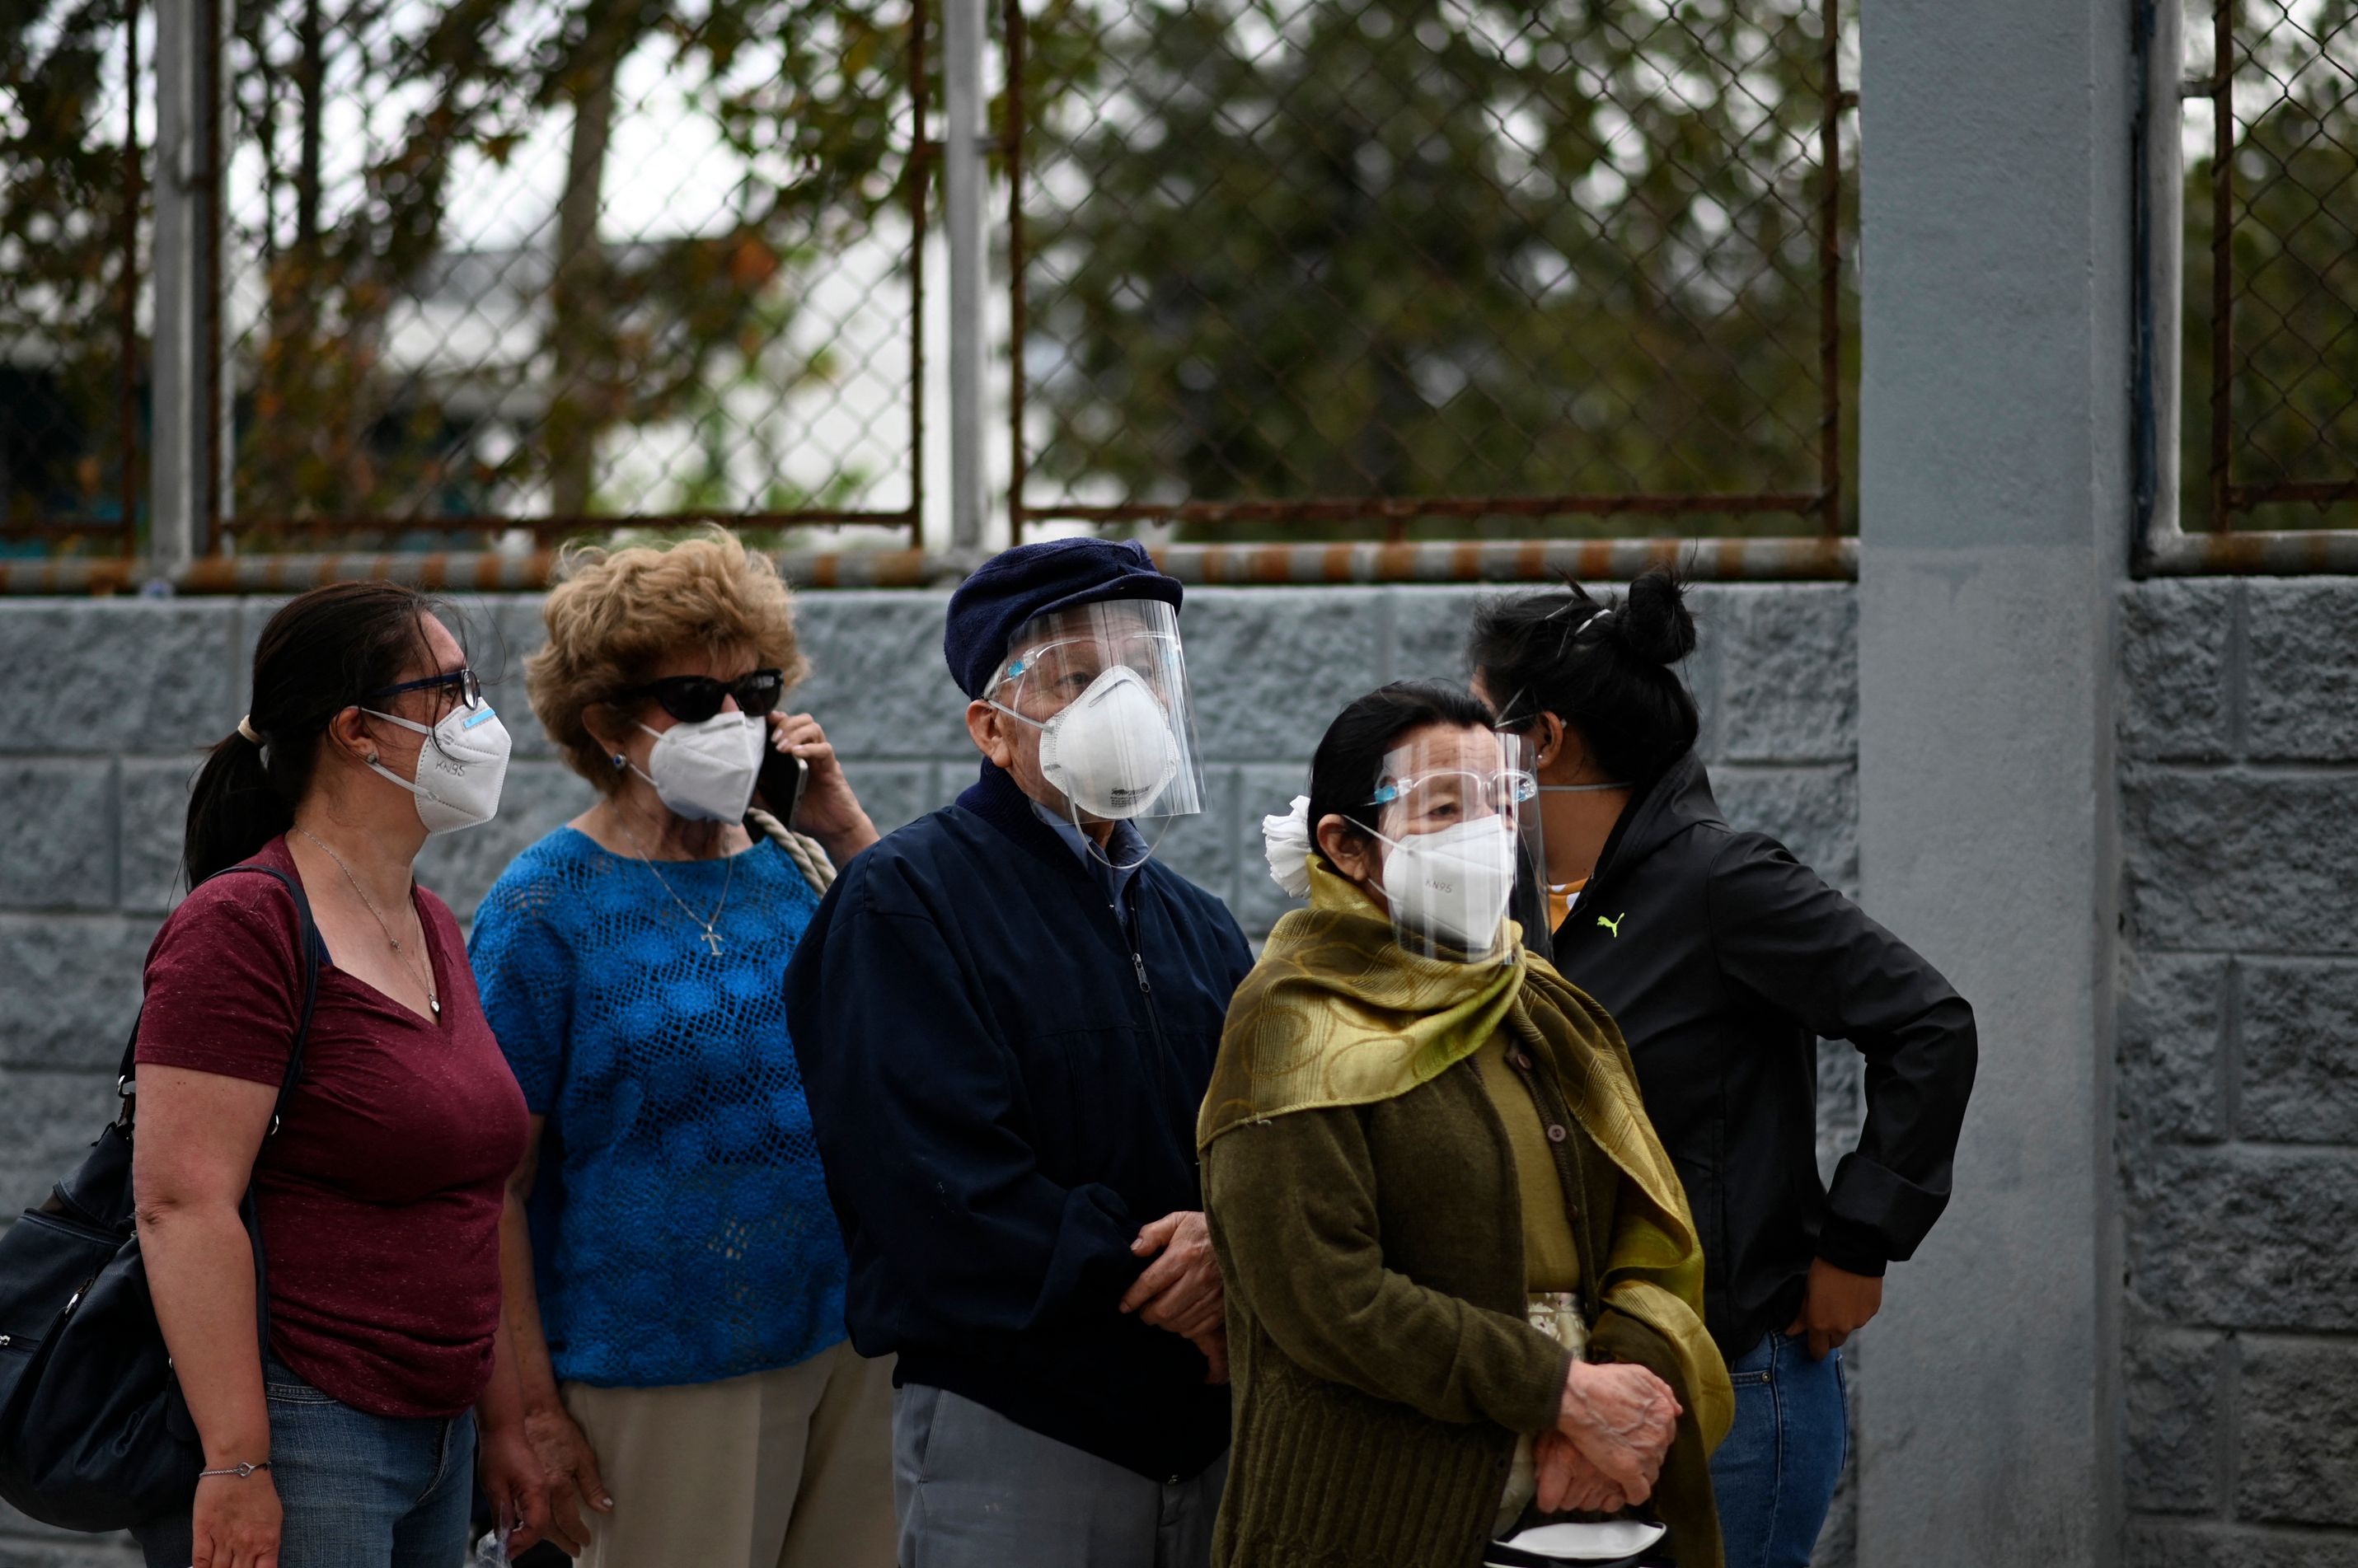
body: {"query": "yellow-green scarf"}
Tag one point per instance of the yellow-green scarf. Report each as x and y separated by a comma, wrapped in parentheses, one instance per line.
(1338, 1013)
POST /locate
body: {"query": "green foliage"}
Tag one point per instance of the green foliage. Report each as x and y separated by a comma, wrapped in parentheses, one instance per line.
(62, 196)
(809, 96)
(1277, 250)
(1362, 248)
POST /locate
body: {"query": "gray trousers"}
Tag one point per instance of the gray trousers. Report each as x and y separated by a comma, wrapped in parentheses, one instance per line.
(975, 1490)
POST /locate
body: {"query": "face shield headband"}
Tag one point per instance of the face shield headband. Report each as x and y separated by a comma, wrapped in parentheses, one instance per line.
(1106, 687)
(1587, 629)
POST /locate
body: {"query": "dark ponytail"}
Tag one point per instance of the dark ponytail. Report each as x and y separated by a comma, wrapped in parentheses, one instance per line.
(1601, 666)
(316, 657)
(1350, 758)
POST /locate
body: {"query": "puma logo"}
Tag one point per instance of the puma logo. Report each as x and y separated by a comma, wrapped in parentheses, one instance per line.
(1614, 925)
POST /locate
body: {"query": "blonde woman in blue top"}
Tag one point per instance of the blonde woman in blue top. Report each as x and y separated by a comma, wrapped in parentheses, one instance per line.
(674, 1274)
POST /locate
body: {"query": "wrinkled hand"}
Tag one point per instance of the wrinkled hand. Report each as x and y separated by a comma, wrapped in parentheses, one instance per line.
(1181, 1289)
(569, 1472)
(1569, 1481)
(235, 1522)
(1621, 1417)
(830, 811)
(1839, 1303)
(514, 1480)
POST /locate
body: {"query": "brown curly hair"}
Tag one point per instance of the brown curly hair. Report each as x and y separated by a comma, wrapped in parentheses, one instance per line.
(616, 616)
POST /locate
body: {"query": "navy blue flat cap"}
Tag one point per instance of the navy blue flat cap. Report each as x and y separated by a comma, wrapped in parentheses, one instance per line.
(1029, 581)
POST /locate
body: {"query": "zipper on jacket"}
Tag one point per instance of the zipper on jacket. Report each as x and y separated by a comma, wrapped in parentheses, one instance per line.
(1133, 930)
(1138, 966)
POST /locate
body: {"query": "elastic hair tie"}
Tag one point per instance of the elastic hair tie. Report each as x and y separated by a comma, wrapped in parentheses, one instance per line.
(245, 727)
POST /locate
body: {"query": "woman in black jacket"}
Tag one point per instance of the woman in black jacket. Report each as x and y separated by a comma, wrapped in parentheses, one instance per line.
(1724, 959)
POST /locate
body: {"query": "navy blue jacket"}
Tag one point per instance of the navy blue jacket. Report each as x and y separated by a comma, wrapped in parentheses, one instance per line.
(1005, 1080)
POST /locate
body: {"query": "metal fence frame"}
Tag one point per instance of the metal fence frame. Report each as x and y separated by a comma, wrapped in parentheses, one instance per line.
(2161, 546)
(219, 524)
(1394, 513)
(2227, 497)
(184, 450)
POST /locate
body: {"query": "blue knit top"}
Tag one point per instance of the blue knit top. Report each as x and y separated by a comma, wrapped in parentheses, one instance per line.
(680, 1223)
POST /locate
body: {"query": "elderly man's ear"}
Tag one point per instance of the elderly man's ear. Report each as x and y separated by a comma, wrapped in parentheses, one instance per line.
(987, 726)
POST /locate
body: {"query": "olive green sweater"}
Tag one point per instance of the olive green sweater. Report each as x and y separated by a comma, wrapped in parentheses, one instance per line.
(1382, 1365)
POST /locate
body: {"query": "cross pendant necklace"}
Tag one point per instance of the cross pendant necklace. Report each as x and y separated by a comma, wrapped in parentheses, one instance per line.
(707, 935)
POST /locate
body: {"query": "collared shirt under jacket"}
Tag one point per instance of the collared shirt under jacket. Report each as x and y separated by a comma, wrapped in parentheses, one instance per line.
(1004, 1079)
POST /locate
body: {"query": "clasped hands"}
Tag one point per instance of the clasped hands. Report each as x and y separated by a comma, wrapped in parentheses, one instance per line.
(1181, 1289)
(1612, 1430)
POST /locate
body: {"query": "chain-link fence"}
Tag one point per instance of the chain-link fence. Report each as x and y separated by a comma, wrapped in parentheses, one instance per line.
(72, 232)
(2271, 333)
(488, 265)
(507, 263)
(1288, 267)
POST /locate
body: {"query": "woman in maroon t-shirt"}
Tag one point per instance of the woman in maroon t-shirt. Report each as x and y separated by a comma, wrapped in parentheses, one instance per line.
(349, 1442)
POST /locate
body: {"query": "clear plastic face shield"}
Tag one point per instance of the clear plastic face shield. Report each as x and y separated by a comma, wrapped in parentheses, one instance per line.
(1104, 689)
(1541, 906)
(1447, 816)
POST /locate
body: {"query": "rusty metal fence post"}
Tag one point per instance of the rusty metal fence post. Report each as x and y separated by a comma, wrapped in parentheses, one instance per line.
(966, 173)
(184, 471)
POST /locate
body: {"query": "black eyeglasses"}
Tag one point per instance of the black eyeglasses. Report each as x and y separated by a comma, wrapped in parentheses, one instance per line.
(692, 700)
(461, 687)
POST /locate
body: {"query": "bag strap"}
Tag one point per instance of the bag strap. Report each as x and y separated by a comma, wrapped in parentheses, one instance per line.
(800, 847)
(314, 950)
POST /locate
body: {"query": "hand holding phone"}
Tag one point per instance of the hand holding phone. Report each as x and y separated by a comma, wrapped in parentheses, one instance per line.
(779, 789)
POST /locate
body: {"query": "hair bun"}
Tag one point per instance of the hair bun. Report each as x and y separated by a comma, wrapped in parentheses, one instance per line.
(1652, 621)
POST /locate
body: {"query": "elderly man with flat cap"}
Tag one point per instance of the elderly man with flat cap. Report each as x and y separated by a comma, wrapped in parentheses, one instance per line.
(1006, 1015)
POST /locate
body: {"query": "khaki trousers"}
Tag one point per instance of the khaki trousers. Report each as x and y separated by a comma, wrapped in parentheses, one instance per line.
(784, 1469)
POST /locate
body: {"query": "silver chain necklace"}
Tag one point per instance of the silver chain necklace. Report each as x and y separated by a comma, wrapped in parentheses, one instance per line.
(710, 939)
(425, 974)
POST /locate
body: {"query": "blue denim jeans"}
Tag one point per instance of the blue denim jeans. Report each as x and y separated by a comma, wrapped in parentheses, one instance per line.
(358, 1490)
(1775, 1474)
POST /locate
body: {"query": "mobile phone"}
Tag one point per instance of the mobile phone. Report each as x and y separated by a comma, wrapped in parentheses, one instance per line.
(779, 788)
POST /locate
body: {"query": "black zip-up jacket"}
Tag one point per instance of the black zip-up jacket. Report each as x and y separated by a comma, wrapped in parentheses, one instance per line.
(1004, 1078)
(1724, 959)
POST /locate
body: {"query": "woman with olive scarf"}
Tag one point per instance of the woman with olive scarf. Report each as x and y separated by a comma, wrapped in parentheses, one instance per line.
(1464, 1289)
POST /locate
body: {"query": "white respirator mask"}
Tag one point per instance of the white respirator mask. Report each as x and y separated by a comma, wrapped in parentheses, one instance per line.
(1111, 750)
(1453, 886)
(707, 771)
(459, 768)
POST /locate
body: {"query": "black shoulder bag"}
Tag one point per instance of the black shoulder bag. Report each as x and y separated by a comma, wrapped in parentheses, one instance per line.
(93, 1433)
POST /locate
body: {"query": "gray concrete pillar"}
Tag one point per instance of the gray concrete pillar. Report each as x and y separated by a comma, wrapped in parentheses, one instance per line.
(1995, 505)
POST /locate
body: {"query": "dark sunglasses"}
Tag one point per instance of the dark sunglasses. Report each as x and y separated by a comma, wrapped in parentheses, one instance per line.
(462, 688)
(692, 700)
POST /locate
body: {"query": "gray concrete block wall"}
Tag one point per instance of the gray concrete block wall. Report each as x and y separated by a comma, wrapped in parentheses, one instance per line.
(96, 754)
(2237, 1087)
